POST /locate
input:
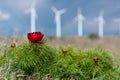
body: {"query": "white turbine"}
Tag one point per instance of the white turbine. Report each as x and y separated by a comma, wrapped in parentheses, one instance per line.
(33, 16)
(58, 13)
(101, 23)
(80, 19)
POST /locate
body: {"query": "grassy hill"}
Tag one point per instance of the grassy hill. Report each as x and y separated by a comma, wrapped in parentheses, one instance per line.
(111, 43)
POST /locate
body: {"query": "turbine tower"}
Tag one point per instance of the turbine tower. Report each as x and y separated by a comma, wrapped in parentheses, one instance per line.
(58, 13)
(101, 23)
(33, 16)
(80, 19)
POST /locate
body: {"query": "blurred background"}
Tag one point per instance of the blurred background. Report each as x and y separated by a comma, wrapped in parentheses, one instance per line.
(15, 23)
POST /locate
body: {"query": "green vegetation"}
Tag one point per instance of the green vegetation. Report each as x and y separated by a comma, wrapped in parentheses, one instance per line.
(39, 61)
(93, 36)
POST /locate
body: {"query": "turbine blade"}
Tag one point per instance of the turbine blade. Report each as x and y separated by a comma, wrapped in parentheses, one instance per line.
(101, 12)
(62, 11)
(54, 9)
(79, 11)
(33, 4)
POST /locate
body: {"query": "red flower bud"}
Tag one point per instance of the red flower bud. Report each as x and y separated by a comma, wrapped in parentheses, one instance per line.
(95, 59)
(64, 51)
(35, 37)
(13, 45)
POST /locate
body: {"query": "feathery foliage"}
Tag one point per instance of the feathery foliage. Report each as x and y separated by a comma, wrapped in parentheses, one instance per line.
(38, 61)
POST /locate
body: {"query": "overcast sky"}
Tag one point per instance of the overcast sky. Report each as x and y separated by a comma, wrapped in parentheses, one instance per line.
(14, 21)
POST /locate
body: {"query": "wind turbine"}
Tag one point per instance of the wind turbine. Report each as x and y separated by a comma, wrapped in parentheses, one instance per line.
(80, 19)
(58, 13)
(101, 23)
(33, 16)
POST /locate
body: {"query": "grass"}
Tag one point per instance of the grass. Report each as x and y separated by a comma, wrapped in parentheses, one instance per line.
(110, 43)
(43, 61)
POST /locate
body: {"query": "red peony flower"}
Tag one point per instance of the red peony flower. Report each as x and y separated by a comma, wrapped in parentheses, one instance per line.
(35, 37)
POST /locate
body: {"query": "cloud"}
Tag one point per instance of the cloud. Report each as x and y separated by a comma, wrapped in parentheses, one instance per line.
(4, 16)
(116, 20)
(22, 5)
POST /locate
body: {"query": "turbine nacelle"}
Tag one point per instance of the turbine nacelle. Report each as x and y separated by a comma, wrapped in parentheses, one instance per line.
(32, 10)
(79, 16)
(100, 18)
(58, 12)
